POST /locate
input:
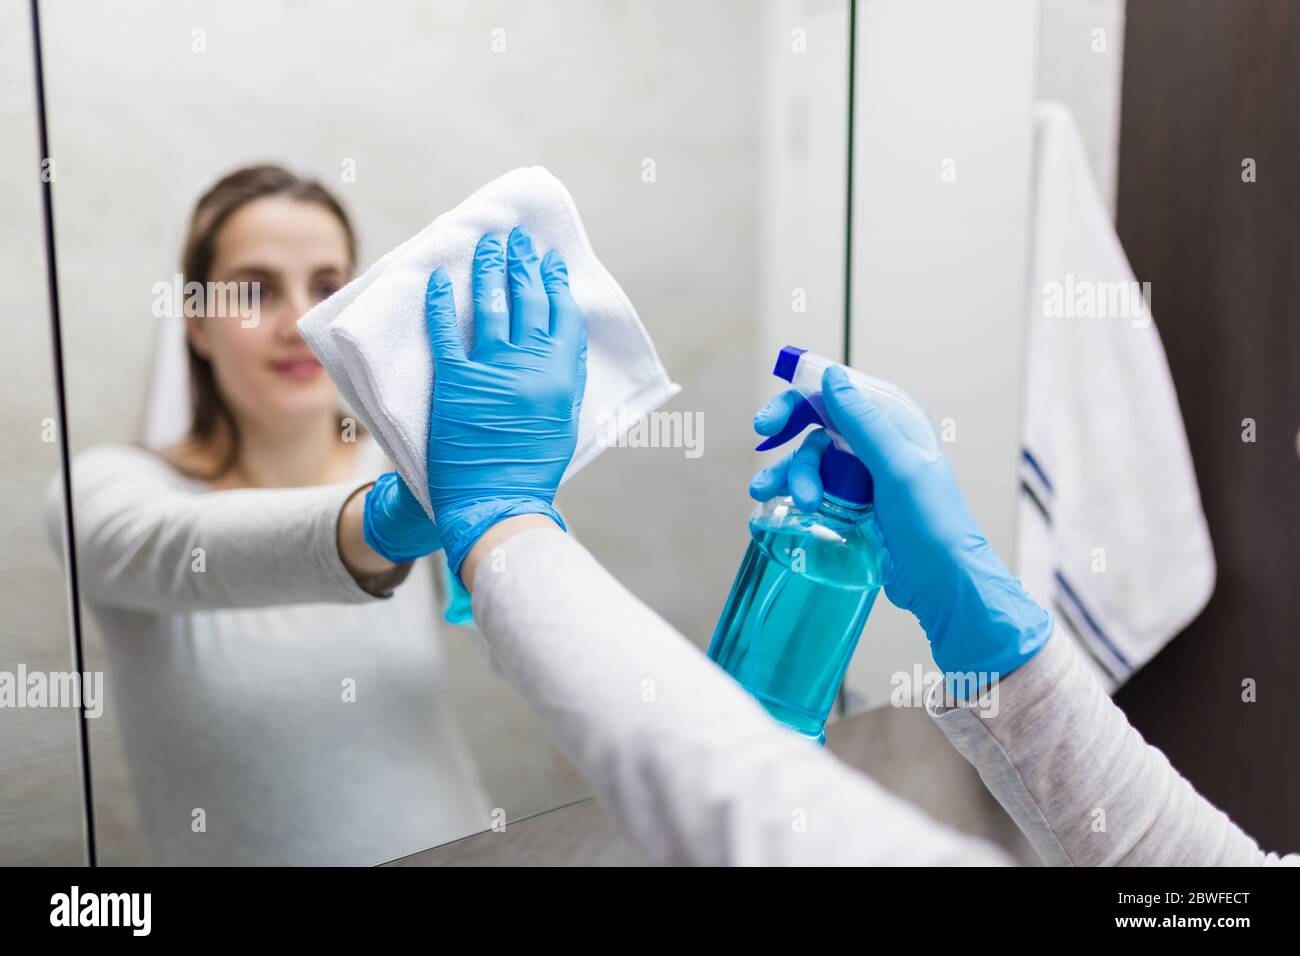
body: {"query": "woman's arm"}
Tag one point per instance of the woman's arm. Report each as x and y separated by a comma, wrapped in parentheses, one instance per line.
(695, 770)
(1081, 783)
(146, 544)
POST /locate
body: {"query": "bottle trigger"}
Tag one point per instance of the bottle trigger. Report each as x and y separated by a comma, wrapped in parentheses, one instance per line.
(803, 415)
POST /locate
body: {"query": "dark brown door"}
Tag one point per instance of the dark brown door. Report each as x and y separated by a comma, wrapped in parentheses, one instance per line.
(1210, 85)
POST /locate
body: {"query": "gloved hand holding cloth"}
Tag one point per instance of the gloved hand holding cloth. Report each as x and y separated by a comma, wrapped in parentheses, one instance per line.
(504, 421)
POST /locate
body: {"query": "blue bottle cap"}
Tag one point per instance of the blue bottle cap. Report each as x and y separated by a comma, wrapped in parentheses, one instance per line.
(845, 477)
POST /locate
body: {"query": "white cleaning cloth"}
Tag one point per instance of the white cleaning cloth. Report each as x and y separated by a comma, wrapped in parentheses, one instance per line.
(1112, 535)
(372, 339)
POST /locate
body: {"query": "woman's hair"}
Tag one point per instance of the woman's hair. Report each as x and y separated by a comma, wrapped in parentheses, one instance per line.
(213, 424)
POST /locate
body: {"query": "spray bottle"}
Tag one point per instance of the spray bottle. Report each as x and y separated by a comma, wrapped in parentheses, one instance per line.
(809, 579)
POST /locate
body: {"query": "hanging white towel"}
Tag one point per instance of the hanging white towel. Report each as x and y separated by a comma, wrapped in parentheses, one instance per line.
(168, 416)
(372, 338)
(1112, 536)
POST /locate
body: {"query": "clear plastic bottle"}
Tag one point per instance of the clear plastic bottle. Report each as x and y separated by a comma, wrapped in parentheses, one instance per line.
(808, 581)
(802, 596)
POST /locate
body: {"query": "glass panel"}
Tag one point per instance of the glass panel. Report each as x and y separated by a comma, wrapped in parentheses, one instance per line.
(942, 175)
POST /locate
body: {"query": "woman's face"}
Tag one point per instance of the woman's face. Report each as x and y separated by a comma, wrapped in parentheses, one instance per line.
(297, 252)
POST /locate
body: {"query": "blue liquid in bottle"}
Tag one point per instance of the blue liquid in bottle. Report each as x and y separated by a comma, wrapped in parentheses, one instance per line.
(460, 610)
(798, 606)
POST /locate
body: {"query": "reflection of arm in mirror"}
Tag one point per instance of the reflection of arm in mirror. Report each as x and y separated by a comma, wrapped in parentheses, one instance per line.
(248, 510)
(374, 572)
(149, 538)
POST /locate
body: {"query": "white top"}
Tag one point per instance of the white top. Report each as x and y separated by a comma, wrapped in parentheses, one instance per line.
(301, 714)
(697, 772)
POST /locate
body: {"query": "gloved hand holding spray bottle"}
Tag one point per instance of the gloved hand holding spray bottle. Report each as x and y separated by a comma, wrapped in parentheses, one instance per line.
(819, 557)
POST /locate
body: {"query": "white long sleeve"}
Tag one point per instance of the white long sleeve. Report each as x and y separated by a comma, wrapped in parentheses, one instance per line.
(1081, 783)
(147, 541)
(695, 770)
(225, 683)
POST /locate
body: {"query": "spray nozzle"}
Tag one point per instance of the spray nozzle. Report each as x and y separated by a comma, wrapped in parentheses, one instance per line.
(809, 410)
(843, 475)
(804, 370)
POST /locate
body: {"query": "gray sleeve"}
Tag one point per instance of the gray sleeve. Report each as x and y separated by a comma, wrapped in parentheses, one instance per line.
(693, 768)
(146, 541)
(1081, 783)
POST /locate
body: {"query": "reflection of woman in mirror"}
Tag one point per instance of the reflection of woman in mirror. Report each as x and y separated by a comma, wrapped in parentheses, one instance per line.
(278, 695)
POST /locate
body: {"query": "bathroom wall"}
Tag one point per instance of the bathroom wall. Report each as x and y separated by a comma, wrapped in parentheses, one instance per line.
(40, 798)
(1081, 64)
(1219, 700)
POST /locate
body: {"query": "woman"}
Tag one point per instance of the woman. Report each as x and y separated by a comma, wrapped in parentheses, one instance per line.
(278, 693)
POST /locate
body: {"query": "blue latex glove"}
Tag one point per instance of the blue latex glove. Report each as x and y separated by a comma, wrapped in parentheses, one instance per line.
(975, 613)
(394, 524)
(504, 421)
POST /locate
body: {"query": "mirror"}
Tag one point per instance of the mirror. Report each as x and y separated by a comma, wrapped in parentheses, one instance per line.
(706, 147)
